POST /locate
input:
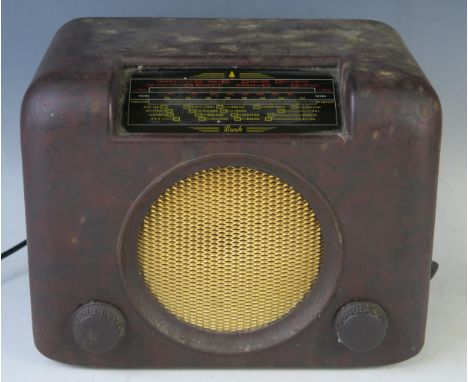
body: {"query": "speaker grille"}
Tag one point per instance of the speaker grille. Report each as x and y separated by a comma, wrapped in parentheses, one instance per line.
(230, 249)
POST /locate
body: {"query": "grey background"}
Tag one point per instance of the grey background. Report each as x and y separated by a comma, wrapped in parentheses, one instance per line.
(434, 30)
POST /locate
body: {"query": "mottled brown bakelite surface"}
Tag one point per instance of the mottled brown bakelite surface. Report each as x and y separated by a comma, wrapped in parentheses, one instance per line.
(375, 181)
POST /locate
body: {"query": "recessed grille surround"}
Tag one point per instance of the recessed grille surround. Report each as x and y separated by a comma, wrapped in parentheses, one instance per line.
(230, 249)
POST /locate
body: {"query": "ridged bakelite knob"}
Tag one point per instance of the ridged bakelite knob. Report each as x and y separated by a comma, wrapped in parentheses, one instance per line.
(361, 325)
(98, 327)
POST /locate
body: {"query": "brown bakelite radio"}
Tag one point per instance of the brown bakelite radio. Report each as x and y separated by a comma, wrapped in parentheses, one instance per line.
(229, 193)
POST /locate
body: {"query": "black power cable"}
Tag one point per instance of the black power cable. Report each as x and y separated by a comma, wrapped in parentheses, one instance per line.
(13, 249)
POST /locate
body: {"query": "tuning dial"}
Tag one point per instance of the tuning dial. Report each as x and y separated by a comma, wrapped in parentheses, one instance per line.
(361, 325)
(98, 327)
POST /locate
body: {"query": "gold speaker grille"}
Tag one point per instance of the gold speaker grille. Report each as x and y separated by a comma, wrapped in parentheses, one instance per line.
(230, 249)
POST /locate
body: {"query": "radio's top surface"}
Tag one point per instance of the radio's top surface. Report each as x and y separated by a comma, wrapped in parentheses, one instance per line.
(93, 45)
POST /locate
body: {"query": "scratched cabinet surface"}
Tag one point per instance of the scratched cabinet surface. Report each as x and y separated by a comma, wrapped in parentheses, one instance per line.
(365, 163)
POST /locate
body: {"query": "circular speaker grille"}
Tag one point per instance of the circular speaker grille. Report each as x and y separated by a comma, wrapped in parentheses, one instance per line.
(230, 249)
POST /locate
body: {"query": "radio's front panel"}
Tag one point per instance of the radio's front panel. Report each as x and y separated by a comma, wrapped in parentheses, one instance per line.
(224, 211)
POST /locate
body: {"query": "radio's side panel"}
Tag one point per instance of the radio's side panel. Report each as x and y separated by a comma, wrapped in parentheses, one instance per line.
(64, 127)
(387, 202)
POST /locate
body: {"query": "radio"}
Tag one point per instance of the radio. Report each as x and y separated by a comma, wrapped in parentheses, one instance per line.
(229, 193)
